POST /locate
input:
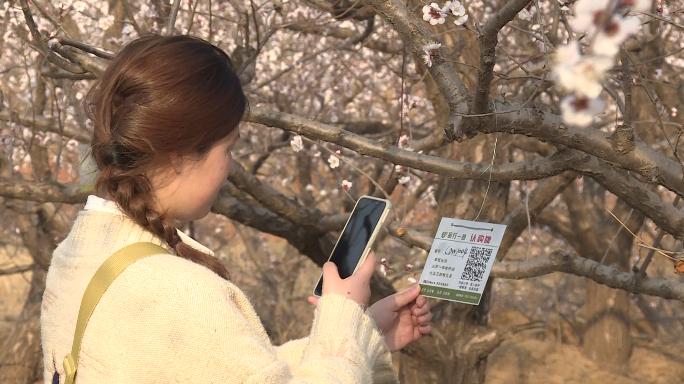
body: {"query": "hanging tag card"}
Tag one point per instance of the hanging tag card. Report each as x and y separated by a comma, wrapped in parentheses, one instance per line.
(460, 260)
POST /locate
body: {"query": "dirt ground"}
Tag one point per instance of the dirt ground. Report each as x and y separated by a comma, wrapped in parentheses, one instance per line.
(526, 360)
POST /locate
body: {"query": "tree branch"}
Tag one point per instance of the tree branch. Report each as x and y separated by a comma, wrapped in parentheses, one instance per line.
(539, 123)
(415, 32)
(42, 45)
(42, 192)
(345, 34)
(639, 195)
(569, 262)
(171, 22)
(16, 269)
(534, 169)
(45, 124)
(488, 40)
(272, 199)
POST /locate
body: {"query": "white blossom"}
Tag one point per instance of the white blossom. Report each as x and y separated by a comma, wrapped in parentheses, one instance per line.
(461, 20)
(430, 50)
(105, 22)
(617, 30)
(581, 74)
(80, 6)
(296, 143)
(434, 14)
(587, 14)
(613, 29)
(404, 143)
(334, 161)
(580, 111)
(346, 185)
(127, 30)
(52, 43)
(457, 9)
(525, 14)
(637, 5)
(404, 179)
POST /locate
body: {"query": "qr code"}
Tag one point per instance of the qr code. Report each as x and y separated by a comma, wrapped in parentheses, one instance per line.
(476, 265)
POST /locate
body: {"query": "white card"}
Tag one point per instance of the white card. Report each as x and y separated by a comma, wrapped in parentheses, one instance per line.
(460, 260)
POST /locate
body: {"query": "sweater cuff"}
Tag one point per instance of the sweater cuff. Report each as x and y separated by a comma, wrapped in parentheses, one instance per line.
(383, 370)
(342, 327)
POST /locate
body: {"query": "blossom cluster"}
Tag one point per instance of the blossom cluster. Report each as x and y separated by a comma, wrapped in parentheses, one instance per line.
(434, 14)
(604, 25)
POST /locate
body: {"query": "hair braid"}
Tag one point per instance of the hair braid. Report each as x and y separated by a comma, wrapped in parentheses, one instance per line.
(133, 194)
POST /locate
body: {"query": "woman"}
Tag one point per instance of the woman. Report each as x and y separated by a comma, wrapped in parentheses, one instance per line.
(166, 115)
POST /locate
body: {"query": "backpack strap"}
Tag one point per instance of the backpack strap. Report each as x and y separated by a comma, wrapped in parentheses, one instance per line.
(99, 283)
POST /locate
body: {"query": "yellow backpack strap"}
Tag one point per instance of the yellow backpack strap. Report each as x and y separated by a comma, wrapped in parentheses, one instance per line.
(99, 283)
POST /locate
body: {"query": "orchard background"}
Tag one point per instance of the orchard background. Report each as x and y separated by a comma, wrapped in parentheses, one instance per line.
(558, 118)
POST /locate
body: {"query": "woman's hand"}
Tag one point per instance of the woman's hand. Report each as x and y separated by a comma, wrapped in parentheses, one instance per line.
(356, 286)
(403, 317)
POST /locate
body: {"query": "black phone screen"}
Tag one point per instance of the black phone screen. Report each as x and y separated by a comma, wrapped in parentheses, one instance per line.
(353, 240)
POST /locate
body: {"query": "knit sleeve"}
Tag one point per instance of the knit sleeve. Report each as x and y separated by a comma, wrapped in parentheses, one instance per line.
(222, 333)
(383, 371)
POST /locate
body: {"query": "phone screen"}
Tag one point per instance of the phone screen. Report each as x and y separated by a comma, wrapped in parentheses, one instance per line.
(355, 237)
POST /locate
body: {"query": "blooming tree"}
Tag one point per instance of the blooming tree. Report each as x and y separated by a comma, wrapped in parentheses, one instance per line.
(559, 119)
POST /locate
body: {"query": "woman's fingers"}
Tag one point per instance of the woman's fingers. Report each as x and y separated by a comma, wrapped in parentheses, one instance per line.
(421, 331)
(418, 311)
(424, 319)
(368, 266)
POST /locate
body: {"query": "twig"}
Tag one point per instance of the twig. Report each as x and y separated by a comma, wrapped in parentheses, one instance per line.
(649, 257)
(171, 22)
(642, 243)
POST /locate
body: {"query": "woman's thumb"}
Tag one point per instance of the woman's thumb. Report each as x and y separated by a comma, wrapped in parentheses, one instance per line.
(407, 295)
(330, 268)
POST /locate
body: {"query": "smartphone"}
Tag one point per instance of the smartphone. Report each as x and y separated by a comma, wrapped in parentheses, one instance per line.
(357, 237)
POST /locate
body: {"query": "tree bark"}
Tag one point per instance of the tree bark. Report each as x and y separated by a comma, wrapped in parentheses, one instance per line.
(606, 334)
(20, 355)
(465, 326)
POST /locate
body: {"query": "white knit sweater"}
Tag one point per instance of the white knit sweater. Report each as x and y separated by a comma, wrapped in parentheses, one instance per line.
(168, 320)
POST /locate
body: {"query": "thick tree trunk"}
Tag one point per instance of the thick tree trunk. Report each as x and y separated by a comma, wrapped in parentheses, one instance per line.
(20, 354)
(465, 326)
(606, 336)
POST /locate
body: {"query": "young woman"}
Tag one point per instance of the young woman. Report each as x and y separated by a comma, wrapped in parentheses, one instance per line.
(166, 115)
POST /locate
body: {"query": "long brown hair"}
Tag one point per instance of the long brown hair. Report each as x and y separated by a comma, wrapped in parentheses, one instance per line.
(160, 95)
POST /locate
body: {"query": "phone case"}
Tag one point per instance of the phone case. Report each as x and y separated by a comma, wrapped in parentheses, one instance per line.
(381, 221)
